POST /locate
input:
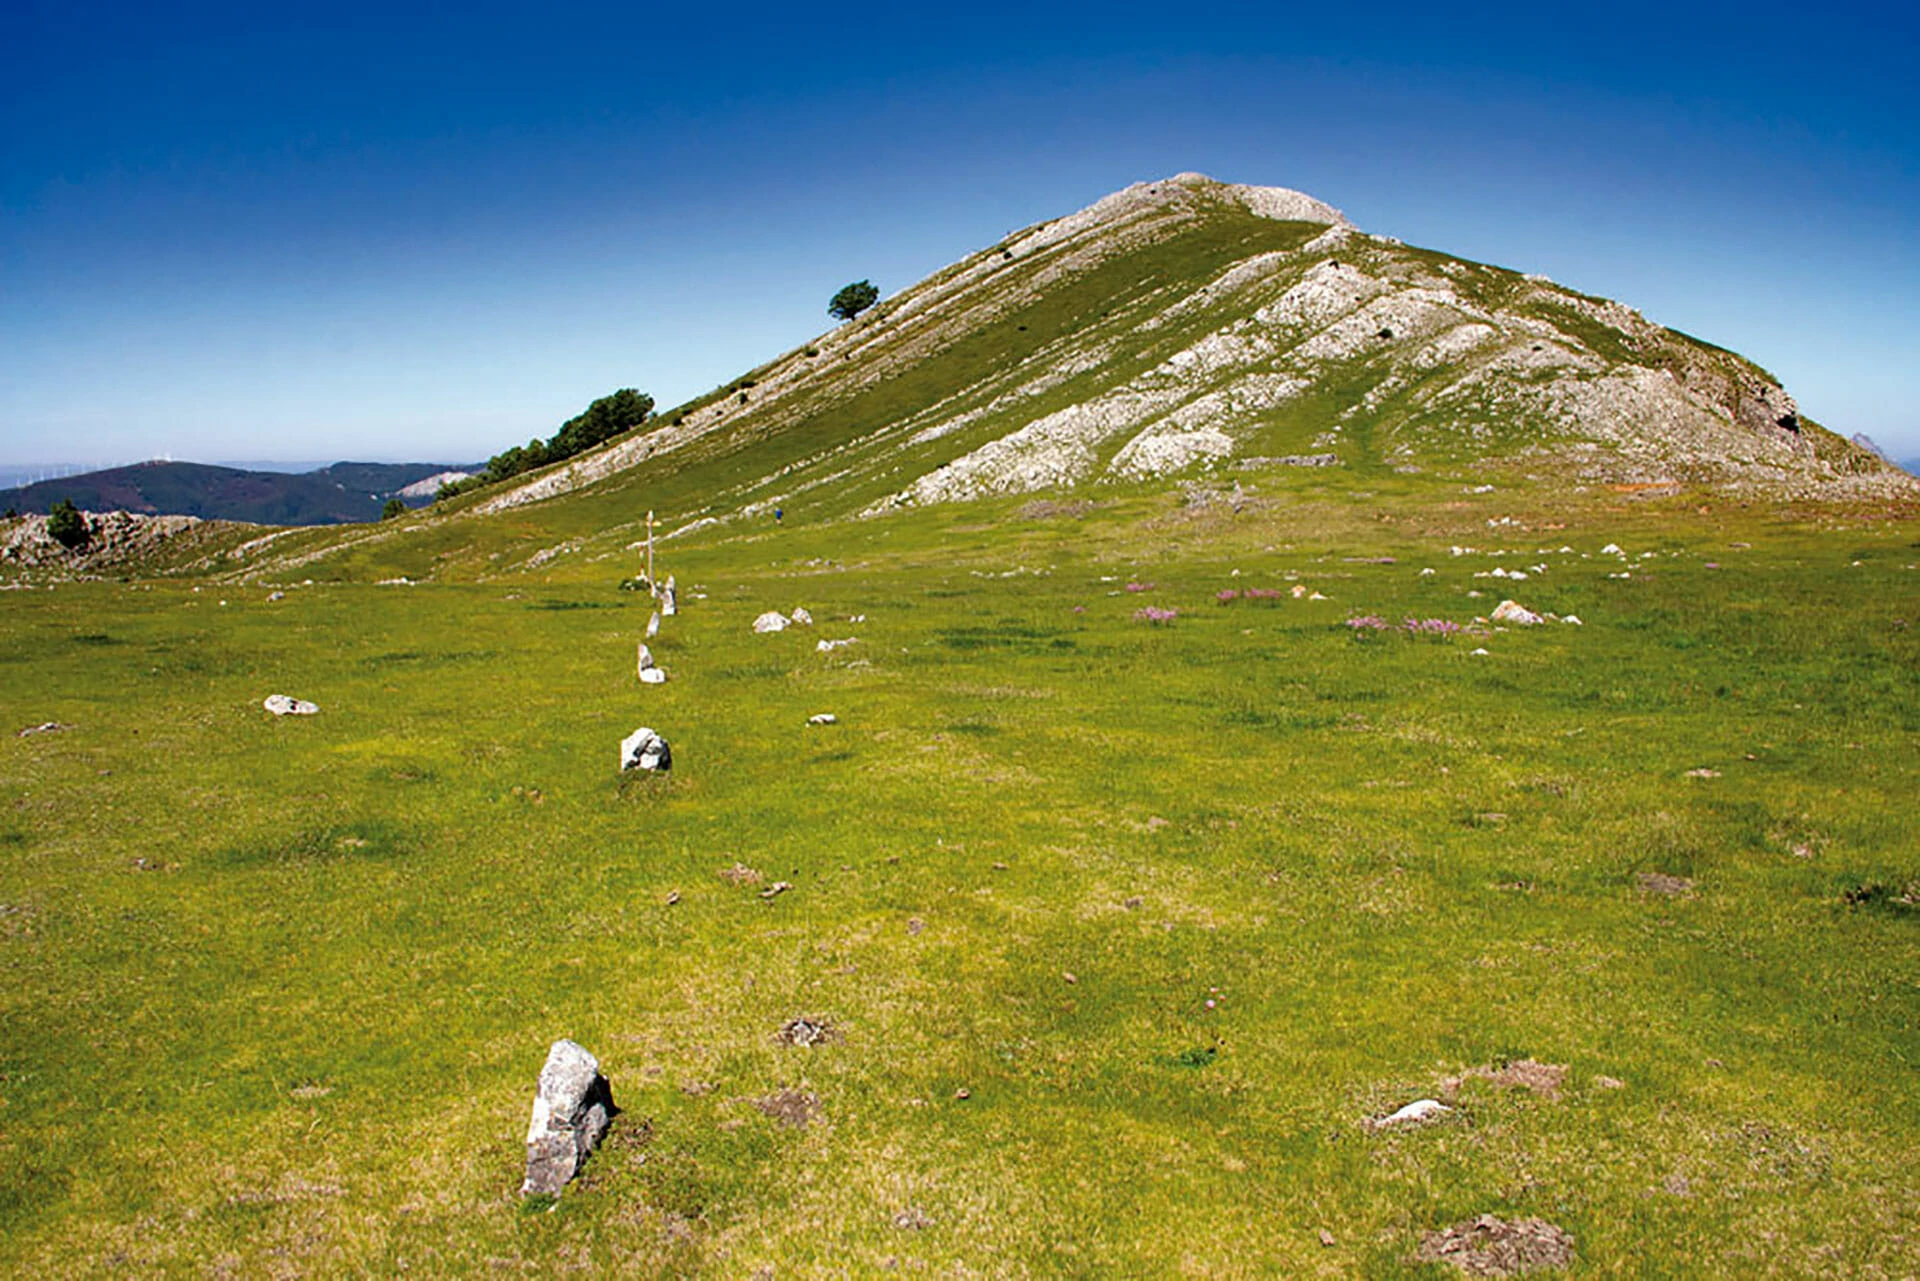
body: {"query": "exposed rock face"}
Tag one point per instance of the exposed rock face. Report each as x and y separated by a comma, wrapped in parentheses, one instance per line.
(571, 1112)
(285, 705)
(645, 750)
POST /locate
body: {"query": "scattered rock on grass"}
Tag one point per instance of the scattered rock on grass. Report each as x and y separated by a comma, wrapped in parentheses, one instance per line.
(1508, 611)
(828, 646)
(1416, 1113)
(45, 727)
(740, 874)
(823, 718)
(1492, 1247)
(571, 1112)
(283, 705)
(912, 1219)
(645, 750)
(800, 616)
(771, 621)
(806, 1032)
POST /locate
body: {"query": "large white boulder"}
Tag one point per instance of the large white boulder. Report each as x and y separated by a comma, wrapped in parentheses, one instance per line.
(644, 749)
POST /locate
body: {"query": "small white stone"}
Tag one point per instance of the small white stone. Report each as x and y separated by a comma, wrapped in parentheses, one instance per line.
(1413, 1114)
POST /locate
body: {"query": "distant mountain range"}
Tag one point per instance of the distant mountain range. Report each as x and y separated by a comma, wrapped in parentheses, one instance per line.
(337, 494)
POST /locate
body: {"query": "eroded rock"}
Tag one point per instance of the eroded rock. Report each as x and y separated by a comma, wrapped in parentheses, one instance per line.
(1508, 611)
(645, 750)
(286, 705)
(771, 621)
(571, 1112)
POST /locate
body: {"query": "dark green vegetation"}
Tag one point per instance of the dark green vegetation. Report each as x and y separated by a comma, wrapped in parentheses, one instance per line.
(66, 526)
(853, 299)
(332, 495)
(604, 419)
(273, 993)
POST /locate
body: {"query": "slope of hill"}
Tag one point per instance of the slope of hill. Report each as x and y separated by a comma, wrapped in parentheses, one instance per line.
(1187, 324)
(337, 494)
(1168, 837)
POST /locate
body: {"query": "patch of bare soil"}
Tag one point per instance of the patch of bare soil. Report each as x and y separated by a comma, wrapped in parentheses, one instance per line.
(1052, 509)
(1544, 1079)
(790, 1107)
(1491, 1247)
(1661, 883)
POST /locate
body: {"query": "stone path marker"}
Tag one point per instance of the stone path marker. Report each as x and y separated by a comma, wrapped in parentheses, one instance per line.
(670, 598)
(283, 705)
(650, 672)
(646, 750)
(653, 625)
(571, 1112)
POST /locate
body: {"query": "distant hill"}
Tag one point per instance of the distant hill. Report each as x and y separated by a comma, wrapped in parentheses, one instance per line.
(332, 495)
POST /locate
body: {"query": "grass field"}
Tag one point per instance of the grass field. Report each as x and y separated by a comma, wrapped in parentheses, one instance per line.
(1122, 928)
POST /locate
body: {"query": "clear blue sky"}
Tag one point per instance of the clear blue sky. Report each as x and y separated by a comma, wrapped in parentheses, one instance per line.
(429, 231)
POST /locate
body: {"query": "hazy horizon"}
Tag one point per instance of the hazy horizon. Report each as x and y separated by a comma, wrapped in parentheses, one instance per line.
(426, 235)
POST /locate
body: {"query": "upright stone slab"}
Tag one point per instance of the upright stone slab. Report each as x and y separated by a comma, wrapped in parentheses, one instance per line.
(670, 598)
(570, 1113)
(653, 625)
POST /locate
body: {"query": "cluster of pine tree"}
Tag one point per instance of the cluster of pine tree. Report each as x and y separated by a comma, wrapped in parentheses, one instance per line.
(604, 419)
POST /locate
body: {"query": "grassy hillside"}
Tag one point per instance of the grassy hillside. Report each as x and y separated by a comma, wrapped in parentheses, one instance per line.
(1122, 928)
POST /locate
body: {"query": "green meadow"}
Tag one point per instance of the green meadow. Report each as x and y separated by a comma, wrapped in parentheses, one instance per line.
(1121, 930)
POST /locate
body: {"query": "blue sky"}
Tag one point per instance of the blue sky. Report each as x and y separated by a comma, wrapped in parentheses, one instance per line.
(246, 231)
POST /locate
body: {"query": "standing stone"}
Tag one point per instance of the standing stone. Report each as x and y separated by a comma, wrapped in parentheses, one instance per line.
(646, 657)
(570, 1113)
(644, 749)
(653, 625)
(670, 598)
